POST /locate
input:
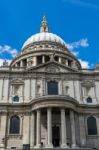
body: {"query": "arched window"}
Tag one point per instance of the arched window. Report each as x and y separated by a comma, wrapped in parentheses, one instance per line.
(89, 100)
(91, 125)
(14, 125)
(52, 88)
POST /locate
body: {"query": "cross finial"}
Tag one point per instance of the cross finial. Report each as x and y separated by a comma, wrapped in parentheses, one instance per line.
(44, 25)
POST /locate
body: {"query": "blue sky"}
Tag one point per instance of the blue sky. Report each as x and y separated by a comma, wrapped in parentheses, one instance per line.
(75, 21)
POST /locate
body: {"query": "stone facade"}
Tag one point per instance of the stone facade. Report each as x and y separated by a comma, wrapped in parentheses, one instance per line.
(48, 120)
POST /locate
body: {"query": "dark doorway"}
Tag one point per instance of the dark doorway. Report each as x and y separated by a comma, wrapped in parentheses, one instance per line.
(56, 136)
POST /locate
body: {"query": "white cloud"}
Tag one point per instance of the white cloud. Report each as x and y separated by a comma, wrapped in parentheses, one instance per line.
(81, 43)
(84, 64)
(76, 53)
(14, 52)
(8, 50)
(77, 44)
(83, 4)
(2, 60)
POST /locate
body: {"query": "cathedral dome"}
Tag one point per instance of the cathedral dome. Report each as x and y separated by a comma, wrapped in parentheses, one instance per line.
(41, 47)
(43, 36)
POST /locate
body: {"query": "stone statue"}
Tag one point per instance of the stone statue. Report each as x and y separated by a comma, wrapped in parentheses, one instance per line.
(52, 56)
(5, 63)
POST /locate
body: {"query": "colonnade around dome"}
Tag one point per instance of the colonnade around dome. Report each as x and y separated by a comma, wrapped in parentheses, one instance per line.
(41, 59)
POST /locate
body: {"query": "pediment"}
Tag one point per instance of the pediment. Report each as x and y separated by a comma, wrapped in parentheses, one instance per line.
(52, 67)
(16, 81)
(88, 84)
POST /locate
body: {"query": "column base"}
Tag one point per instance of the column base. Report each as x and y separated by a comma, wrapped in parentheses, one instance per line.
(37, 146)
(64, 146)
(49, 146)
(2, 147)
(74, 146)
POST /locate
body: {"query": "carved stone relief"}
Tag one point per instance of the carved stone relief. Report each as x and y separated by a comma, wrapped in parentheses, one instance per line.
(52, 69)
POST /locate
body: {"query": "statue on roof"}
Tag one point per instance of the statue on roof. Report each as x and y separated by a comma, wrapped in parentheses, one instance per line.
(52, 56)
(5, 63)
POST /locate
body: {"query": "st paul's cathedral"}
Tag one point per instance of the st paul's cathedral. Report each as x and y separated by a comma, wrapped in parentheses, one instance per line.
(47, 101)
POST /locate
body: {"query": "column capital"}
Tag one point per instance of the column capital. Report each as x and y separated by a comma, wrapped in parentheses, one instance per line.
(62, 109)
(49, 109)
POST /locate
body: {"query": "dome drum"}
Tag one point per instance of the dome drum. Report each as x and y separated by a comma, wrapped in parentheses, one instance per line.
(39, 57)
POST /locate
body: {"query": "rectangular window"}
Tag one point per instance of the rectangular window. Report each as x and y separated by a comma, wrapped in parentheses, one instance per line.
(52, 88)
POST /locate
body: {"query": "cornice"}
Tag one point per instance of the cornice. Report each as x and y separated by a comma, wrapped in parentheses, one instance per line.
(33, 74)
(7, 73)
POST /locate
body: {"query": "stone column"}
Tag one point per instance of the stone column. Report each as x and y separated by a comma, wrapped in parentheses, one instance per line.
(63, 129)
(60, 60)
(27, 90)
(32, 131)
(43, 59)
(49, 128)
(82, 129)
(21, 63)
(5, 90)
(66, 62)
(73, 135)
(16, 65)
(26, 129)
(35, 61)
(3, 122)
(38, 131)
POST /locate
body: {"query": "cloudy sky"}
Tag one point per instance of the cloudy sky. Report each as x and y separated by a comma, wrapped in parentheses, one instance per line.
(75, 21)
